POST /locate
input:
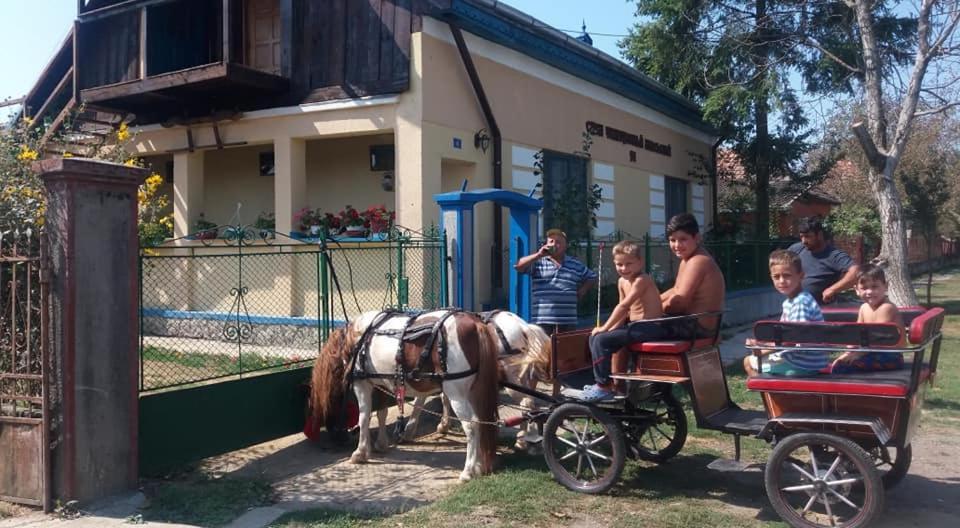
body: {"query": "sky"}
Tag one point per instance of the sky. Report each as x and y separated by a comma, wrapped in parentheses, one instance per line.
(32, 30)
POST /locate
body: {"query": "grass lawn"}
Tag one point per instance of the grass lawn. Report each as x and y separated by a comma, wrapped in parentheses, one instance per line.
(942, 407)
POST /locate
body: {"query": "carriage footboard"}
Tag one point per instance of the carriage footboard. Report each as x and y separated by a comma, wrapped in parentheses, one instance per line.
(798, 420)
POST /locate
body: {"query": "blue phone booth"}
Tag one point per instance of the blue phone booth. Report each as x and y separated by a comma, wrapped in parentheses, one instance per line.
(457, 219)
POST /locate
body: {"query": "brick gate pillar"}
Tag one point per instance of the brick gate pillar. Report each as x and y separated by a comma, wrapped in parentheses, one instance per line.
(91, 224)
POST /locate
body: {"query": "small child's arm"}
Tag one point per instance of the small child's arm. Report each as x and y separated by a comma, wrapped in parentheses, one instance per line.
(751, 342)
(621, 311)
(850, 357)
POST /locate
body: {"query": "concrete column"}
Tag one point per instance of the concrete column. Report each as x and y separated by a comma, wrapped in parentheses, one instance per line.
(418, 169)
(91, 225)
(187, 191)
(290, 180)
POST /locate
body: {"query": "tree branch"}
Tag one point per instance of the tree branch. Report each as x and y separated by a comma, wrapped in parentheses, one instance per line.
(874, 156)
(936, 110)
(813, 42)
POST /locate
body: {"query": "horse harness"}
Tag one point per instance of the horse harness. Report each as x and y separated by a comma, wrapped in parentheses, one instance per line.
(487, 319)
(410, 333)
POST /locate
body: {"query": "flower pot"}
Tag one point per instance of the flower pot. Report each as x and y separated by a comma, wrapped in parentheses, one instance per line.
(208, 234)
(314, 230)
(355, 231)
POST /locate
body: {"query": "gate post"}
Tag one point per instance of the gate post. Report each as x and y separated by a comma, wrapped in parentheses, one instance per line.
(91, 224)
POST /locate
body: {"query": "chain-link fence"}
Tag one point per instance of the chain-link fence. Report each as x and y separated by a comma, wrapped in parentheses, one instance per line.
(217, 309)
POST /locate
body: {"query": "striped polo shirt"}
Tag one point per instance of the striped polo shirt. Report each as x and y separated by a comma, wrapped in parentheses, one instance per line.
(554, 299)
(803, 308)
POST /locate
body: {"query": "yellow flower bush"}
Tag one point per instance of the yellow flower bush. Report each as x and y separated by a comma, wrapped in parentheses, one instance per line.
(23, 203)
(156, 223)
(123, 133)
(27, 154)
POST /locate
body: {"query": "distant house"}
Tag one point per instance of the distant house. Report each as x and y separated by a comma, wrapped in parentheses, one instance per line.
(284, 104)
(788, 202)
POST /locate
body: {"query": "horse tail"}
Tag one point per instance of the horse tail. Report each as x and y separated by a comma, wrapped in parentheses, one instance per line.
(484, 396)
(328, 381)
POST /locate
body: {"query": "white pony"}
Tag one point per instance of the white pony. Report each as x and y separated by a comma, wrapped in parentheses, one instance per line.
(523, 350)
(452, 352)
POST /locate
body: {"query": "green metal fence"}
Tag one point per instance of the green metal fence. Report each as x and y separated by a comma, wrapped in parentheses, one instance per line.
(225, 308)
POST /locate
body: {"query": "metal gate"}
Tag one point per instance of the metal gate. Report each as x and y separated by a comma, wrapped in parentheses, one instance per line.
(24, 413)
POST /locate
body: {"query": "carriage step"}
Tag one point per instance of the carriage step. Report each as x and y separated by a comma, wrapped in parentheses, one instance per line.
(651, 377)
(726, 465)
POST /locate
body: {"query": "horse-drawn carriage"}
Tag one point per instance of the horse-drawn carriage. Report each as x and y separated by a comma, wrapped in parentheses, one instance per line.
(838, 440)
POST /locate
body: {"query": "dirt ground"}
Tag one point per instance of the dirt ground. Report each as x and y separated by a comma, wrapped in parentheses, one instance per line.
(929, 496)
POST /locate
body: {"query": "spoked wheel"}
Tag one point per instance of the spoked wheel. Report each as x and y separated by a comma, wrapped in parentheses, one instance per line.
(584, 448)
(892, 463)
(815, 480)
(661, 436)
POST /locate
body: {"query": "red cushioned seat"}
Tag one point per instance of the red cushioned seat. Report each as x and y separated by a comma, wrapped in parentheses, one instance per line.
(825, 386)
(926, 325)
(891, 383)
(669, 347)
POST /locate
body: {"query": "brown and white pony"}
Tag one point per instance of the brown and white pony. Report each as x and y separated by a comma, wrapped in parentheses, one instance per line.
(470, 348)
(523, 350)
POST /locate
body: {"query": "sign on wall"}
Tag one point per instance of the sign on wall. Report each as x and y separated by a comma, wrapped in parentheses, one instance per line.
(636, 140)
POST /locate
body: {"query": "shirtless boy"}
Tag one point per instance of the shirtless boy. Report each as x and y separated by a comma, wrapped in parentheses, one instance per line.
(639, 300)
(872, 289)
(699, 286)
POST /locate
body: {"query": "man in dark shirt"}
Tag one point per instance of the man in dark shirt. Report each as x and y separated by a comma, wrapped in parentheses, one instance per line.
(827, 270)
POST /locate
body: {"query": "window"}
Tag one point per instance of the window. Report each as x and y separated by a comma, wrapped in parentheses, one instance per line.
(676, 199)
(564, 194)
(267, 165)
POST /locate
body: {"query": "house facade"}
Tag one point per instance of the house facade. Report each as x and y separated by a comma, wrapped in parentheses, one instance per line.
(276, 105)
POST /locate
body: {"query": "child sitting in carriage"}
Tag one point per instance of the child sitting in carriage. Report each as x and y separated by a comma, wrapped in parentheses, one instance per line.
(639, 300)
(786, 271)
(876, 308)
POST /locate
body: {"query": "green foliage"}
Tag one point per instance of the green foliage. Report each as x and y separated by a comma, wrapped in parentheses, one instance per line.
(22, 203)
(852, 220)
(737, 59)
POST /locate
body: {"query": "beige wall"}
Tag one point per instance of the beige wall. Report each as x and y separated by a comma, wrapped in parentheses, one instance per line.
(338, 174)
(535, 113)
(231, 177)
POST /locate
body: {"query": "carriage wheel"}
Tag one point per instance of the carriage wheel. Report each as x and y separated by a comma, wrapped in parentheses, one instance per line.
(892, 463)
(662, 438)
(815, 479)
(584, 448)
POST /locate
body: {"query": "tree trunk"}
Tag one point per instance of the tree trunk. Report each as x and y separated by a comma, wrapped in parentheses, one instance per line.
(893, 248)
(761, 221)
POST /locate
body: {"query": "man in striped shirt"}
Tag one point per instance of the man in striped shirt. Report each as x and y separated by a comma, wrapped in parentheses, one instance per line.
(559, 281)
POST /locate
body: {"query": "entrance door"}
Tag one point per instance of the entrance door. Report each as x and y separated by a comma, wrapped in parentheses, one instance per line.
(263, 35)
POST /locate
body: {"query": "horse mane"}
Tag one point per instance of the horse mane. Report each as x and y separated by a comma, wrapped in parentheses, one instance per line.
(535, 364)
(328, 381)
(484, 394)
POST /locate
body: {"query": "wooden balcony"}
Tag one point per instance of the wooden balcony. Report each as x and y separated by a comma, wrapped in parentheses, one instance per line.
(162, 58)
(222, 84)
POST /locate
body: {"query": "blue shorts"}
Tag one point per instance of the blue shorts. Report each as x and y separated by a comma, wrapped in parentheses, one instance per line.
(870, 362)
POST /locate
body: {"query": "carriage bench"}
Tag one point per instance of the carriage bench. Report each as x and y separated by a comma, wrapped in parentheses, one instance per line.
(884, 395)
